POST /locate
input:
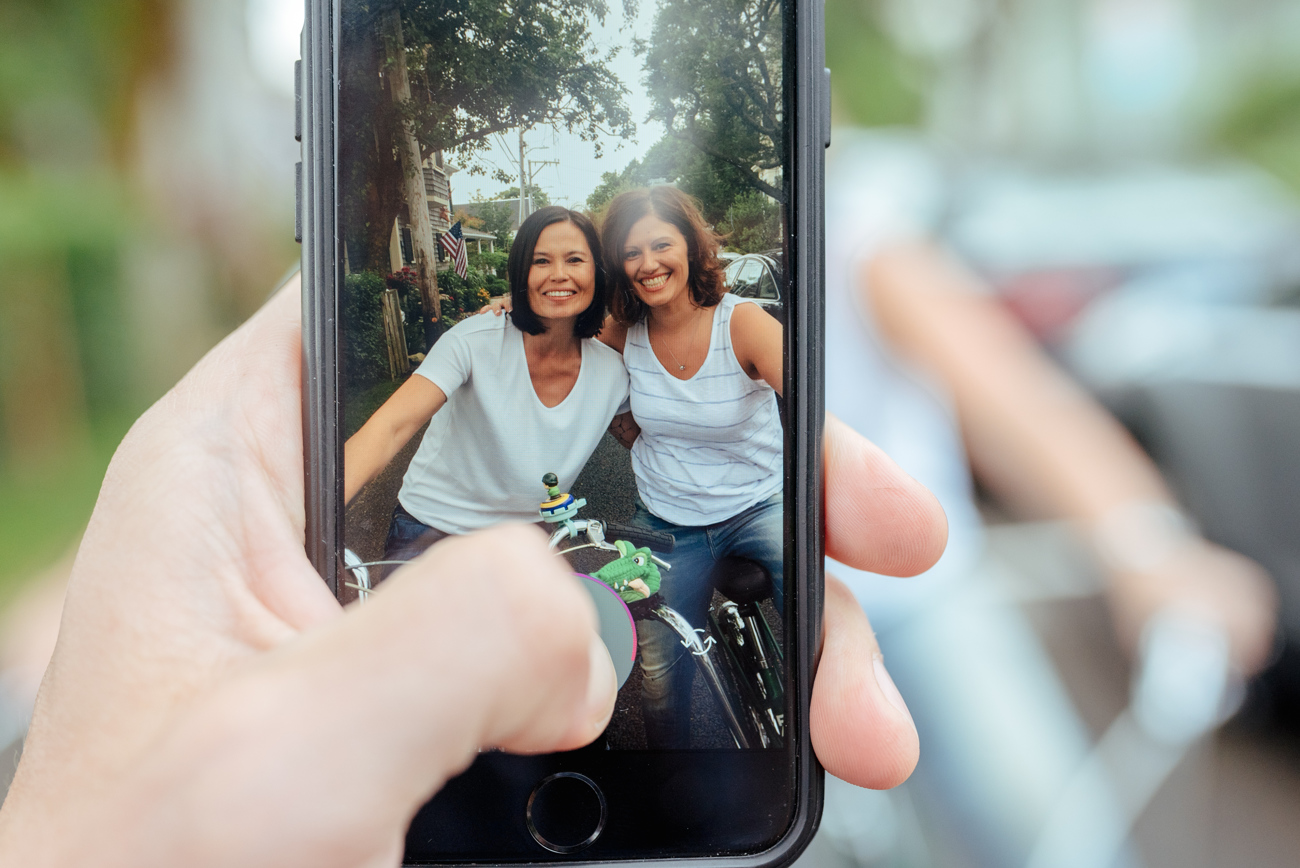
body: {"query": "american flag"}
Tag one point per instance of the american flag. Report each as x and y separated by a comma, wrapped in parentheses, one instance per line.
(453, 241)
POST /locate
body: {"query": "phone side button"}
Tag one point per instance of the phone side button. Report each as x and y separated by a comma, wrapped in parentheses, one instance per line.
(297, 204)
(826, 108)
(566, 813)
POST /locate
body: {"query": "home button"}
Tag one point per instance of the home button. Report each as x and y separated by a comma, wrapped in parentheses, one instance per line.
(566, 812)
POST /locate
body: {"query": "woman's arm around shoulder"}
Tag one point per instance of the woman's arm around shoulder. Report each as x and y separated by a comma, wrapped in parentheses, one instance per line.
(613, 334)
(758, 341)
(624, 429)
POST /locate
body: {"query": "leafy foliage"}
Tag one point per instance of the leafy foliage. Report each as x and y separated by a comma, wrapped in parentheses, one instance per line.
(70, 222)
(539, 197)
(714, 72)
(749, 219)
(476, 67)
(1264, 126)
(493, 266)
(497, 217)
(462, 296)
(875, 83)
(752, 224)
(715, 75)
(365, 349)
(479, 67)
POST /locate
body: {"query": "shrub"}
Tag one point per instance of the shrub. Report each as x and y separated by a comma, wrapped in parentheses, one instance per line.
(493, 265)
(753, 223)
(462, 296)
(496, 286)
(364, 348)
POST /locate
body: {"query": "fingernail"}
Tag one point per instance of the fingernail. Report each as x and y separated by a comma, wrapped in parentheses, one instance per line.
(888, 688)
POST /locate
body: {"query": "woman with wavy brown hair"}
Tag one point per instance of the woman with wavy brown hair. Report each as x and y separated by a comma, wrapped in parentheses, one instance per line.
(705, 368)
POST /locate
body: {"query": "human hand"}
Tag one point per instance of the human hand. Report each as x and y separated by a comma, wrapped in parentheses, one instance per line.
(497, 306)
(205, 678)
(209, 703)
(1208, 582)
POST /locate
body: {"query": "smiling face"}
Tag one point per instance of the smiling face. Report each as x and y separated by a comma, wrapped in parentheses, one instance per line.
(656, 260)
(562, 274)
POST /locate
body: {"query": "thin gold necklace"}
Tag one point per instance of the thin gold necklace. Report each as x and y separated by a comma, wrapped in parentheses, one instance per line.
(691, 352)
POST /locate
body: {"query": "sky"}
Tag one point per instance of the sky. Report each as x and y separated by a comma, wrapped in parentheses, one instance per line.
(578, 172)
(273, 27)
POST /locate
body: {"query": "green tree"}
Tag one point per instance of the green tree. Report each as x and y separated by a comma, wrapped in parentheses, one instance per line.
(752, 223)
(665, 160)
(539, 197)
(715, 74)
(716, 184)
(497, 217)
(442, 76)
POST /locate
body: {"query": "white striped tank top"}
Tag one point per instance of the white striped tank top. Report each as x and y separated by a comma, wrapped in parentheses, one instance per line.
(711, 446)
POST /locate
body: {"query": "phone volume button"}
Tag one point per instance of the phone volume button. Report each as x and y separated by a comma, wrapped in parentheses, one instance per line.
(297, 206)
(826, 108)
(297, 100)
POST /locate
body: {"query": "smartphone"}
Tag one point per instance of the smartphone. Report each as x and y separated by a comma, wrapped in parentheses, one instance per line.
(643, 183)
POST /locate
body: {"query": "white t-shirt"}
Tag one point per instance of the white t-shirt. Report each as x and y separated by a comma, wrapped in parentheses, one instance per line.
(483, 457)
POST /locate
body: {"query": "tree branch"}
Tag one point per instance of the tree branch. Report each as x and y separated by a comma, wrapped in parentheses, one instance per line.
(746, 170)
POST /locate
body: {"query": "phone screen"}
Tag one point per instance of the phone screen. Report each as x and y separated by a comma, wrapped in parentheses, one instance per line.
(565, 278)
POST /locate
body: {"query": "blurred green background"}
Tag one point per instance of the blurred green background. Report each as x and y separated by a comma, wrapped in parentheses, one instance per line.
(122, 254)
(146, 181)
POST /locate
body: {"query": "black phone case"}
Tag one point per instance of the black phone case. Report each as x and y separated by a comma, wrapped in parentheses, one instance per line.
(317, 221)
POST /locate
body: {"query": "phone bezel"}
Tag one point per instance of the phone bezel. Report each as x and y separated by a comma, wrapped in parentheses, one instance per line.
(321, 267)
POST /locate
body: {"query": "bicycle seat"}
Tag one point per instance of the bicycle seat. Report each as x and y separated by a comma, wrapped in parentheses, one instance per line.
(741, 580)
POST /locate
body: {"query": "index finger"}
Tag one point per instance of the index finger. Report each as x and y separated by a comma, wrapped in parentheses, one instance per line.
(878, 518)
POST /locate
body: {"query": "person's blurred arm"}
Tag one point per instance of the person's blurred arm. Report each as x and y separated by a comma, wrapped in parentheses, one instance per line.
(1037, 440)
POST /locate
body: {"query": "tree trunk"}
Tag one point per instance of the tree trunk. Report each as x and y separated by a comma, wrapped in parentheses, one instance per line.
(370, 176)
(422, 245)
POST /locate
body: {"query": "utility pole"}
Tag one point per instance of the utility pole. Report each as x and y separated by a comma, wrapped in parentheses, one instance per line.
(523, 180)
(527, 170)
(532, 175)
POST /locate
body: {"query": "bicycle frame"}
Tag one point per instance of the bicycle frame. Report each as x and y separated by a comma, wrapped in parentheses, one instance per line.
(696, 641)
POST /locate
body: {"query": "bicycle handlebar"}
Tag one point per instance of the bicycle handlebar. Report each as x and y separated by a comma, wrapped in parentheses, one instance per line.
(640, 537)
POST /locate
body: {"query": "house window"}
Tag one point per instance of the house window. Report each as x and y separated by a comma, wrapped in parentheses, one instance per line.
(408, 248)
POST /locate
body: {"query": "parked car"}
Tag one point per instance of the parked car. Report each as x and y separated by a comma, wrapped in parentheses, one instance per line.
(759, 276)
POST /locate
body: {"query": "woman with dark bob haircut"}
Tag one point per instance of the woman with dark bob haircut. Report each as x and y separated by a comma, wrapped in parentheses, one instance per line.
(705, 369)
(520, 263)
(506, 399)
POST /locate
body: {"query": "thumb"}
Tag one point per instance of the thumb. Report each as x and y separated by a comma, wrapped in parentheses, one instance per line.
(861, 728)
(483, 641)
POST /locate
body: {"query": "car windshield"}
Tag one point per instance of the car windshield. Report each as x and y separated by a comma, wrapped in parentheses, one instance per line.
(743, 277)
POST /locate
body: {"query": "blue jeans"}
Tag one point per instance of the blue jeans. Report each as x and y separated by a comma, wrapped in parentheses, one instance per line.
(408, 538)
(666, 667)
